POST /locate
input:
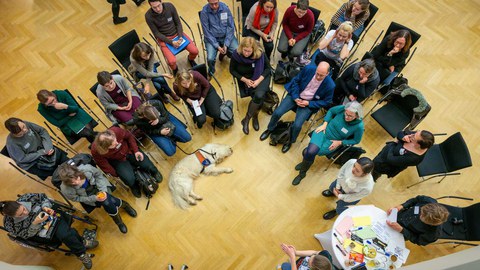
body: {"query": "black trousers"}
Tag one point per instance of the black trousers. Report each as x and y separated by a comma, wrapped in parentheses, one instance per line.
(210, 107)
(126, 169)
(60, 157)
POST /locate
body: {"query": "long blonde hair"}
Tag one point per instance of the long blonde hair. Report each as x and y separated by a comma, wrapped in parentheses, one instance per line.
(252, 43)
(185, 75)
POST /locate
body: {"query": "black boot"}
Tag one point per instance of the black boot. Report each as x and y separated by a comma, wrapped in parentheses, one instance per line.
(252, 109)
(118, 220)
(303, 168)
(116, 18)
(138, 2)
(129, 209)
(255, 124)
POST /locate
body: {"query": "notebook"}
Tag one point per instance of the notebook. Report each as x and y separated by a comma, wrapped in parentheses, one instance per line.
(343, 228)
(182, 46)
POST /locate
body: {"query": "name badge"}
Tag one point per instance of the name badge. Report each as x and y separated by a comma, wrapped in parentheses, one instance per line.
(169, 19)
(119, 91)
(26, 146)
(416, 210)
(223, 16)
(253, 65)
(301, 26)
(402, 151)
(344, 130)
(118, 146)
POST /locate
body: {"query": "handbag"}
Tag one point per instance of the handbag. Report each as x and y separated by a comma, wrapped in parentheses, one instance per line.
(46, 162)
(169, 125)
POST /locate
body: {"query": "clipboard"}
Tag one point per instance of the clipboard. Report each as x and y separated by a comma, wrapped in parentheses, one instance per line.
(182, 46)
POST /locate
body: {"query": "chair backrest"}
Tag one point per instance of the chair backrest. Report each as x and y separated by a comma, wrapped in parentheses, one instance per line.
(246, 5)
(122, 47)
(373, 10)
(471, 217)
(450, 229)
(5, 151)
(396, 26)
(405, 104)
(455, 153)
(202, 68)
(93, 89)
(316, 12)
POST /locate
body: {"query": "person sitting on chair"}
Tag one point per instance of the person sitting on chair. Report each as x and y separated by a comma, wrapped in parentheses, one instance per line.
(144, 65)
(218, 31)
(162, 127)
(194, 88)
(251, 68)
(354, 182)
(261, 22)
(390, 55)
(355, 11)
(298, 22)
(309, 91)
(335, 47)
(27, 217)
(342, 126)
(118, 98)
(357, 82)
(408, 149)
(165, 24)
(88, 186)
(116, 152)
(30, 146)
(309, 259)
(61, 110)
(419, 219)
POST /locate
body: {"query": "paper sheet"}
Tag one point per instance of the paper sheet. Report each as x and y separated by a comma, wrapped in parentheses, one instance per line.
(343, 228)
(358, 246)
(382, 231)
(196, 108)
(362, 221)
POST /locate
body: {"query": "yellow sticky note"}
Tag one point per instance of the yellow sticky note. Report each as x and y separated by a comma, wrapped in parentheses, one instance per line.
(362, 221)
(358, 247)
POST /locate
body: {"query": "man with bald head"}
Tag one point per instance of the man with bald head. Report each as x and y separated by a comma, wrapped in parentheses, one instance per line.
(309, 91)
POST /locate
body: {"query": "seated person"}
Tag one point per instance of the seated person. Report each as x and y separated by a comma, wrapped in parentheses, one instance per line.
(144, 66)
(298, 22)
(355, 11)
(343, 125)
(335, 47)
(309, 91)
(309, 259)
(165, 24)
(357, 82)
(162, 127)
(354, 182)
(30, 146)
(407, 150)
(26, 218)
(218, 31)
(261, 22)
(192, 87)
(390, 55)
(87, 185)
(62, 111)
(118, 98)
(116, 152)
(419, 220)
(251, 68)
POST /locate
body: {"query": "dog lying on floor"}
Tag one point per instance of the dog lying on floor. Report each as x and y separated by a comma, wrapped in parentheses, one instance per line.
(190, 167)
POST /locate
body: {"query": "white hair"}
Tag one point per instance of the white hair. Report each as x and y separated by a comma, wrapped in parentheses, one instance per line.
(356, 107)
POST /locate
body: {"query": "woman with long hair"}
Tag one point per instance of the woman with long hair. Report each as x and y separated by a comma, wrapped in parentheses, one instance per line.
(355, 11)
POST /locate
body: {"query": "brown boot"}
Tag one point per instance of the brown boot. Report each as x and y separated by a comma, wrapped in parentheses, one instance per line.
(174, 96)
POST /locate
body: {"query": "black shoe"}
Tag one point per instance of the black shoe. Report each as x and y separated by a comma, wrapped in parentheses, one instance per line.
(90, 244)
(136, 191)
(129, 209)
(245, 122)
(327, 193)
(284, 55)
(286, 147)
(298, 179)
(329, 215)
(118, 220)
(255, 124)
(192, 62)
(158, 177)
(119, 20)
(138, 2)
(299, 166)
(221, 56)
(265, 135)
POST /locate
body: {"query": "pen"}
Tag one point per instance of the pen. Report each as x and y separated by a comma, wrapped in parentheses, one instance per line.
(339, 240)
(356, 229)
(341, 250)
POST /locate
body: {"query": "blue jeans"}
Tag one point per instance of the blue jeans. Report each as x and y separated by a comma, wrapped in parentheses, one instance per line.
(286, 266)
(180, 135)
(159, 83)
(111, 204)
(302, 114)
(390, 78)
(357, 32)
(212, 52)
(341, 205)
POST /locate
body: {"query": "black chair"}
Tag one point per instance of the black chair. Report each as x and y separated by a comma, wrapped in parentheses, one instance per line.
(122, 47)
(402, 112)
(443, 159)
(245, 5)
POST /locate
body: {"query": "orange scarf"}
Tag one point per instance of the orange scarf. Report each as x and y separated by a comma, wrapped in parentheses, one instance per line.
(256, 21)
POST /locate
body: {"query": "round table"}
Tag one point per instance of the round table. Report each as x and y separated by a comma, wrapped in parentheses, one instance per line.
(377, 215)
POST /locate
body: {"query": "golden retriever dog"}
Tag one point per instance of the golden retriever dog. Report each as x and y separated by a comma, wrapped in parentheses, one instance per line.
(181, 177)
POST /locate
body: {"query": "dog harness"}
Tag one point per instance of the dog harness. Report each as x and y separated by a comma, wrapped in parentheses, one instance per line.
(204, 161)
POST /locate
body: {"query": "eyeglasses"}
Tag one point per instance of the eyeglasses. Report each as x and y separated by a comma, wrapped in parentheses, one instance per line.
(350, 116)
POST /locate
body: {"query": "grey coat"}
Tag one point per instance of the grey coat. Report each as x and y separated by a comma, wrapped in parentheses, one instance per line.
(79, 194)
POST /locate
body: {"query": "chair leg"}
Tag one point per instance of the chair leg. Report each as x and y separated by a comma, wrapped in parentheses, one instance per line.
(337, 157)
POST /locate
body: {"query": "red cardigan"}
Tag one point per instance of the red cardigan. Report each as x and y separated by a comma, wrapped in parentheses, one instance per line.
(129, 146)
(300, 26)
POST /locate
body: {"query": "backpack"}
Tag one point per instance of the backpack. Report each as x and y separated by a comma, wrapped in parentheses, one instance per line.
(317, 32)
(281, 133)
(147, 183)
(226, 116)
(270, 102)
(78, 159)
(285, 71)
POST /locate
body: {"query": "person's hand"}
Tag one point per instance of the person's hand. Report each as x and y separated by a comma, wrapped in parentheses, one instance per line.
(336, 192)
(391, 68)
(303, 103)
(291, 42)
(177, 43)
(408, 138)
(288, 249)
(334, 145)
(165, 131)
(249, 83)
(154, 122)
(393, 51)
(399, 207)
(39, 219)
(363, 80)
(101, 196)
(129, 106)
(321, 128)
(222, 50)
(394, 225)
(139, 156)
(200, 102)
(60, 106)
(298, 101)
(49, 152)
(146, 89)
(189, 101)
(352, 97)
(49, 211)
(72, 114)
(256, 83)
(167, 75)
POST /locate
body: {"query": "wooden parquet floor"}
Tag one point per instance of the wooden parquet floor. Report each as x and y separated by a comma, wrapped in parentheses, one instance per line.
(245, 215)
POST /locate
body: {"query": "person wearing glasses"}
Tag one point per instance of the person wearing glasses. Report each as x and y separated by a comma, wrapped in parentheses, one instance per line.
(343, 125)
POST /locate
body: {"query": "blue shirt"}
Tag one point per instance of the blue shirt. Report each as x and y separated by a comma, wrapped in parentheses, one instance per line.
(217, 24)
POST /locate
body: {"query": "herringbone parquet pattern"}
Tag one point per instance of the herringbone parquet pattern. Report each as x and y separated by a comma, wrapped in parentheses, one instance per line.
(245, 215)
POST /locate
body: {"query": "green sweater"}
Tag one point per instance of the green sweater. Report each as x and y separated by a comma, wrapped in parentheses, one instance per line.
(69, 125)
